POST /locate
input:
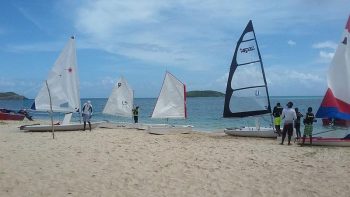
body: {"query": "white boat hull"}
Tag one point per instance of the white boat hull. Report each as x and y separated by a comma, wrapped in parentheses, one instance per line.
(264, 132)
(66, 127)
(124, 125)
(163, 129)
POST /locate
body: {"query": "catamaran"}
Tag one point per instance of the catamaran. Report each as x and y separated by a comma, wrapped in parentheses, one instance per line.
(171, 103)
(336, 102)
(246, 91)
(60, 92)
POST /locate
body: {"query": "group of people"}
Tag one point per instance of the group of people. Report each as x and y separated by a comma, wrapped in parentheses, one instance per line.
(87, 112)
(292, 119)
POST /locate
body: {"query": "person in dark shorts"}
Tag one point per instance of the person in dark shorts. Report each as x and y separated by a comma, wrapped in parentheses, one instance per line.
(87, 113)
(297, 123)
(135, 113)
(289, 115)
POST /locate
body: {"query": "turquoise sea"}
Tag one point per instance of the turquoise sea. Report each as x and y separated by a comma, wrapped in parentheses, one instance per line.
(204, 113)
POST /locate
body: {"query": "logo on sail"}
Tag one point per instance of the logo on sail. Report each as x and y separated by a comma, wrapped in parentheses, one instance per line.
(246, 50)
(119, 84)
(257, 92)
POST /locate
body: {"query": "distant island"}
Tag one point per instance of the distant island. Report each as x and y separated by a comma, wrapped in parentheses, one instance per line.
(205, 93)
(11, 96)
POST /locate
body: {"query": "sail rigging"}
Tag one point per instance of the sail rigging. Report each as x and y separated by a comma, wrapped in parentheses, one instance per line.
(120, 102)
(336, 102)
(63, 83)
(171, 102)
(246, 90)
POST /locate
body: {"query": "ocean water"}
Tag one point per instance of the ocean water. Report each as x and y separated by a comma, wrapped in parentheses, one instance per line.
(204, 113)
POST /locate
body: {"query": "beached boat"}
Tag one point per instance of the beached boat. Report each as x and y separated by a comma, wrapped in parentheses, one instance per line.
(336, 102)
(120, 103)
(6, 114)
(246, 91)
(171, 103)
(60, 92)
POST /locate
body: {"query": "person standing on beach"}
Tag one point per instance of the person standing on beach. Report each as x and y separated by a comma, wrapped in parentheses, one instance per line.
(135, 112)
(297, 123)
(308, 121)
(289, 115)
(277, 111)
(87, 113)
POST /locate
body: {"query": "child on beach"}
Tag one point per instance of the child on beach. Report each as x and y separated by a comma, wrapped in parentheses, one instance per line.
(297, 123)
(135, 113)
(308, 121)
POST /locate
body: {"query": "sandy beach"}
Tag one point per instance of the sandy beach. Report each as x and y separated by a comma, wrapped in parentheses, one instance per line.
(127, 162)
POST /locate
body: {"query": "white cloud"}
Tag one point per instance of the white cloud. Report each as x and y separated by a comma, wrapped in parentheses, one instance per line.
(325, 45)
(291, 43)
(108, 81)
(327, 56)
(179, 33)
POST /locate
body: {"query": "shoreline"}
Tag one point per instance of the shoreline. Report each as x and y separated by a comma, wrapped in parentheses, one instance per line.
(128, 162)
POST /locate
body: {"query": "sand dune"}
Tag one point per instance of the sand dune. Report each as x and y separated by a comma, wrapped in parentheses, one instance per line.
(127, 162)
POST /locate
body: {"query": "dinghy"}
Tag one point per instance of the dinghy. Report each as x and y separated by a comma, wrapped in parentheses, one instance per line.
(336, 102)
(171, 103)
(6, 114)
(120, 103)
(246, 91)
(60, 92)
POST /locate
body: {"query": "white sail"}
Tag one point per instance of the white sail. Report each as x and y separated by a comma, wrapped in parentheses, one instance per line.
(63, 83)
(171, 102)
(120, 102)
(339, 71)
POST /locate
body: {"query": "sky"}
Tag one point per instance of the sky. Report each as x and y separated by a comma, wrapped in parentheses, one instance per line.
(193, 39)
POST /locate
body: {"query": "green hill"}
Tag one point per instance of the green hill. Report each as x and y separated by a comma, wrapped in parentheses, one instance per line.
(11, 96)
(204, 93)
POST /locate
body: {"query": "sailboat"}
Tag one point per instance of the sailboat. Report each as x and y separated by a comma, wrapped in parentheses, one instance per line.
(246, 92)
(120, 103)
(171, 103)
(6, 114)
(60, 92)
(336, 102)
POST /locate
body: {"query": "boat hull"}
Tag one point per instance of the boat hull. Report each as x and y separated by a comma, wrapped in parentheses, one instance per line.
(124, 125)
(67, 127)
(320, 141)
(11, 116)
(163, 129)
(263, 132)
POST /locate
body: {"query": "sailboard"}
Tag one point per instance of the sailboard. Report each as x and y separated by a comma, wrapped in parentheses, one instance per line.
(246, 91)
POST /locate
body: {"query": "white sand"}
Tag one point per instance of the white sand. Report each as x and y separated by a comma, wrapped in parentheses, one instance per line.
(125, 162)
